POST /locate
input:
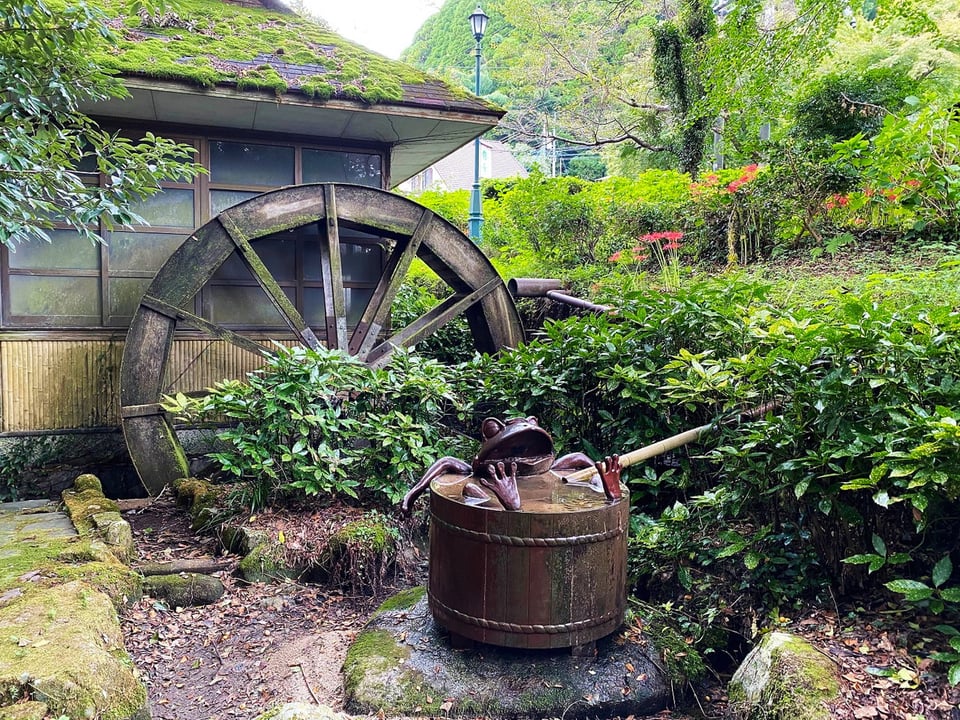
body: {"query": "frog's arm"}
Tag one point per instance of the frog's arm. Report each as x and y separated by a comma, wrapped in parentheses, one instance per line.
(443, 466)
(573, 461)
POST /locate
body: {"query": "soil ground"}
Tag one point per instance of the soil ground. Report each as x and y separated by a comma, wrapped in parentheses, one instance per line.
(265, 644)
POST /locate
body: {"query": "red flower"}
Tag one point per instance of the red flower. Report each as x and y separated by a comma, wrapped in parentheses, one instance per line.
(829, 203)
(891, 195)
(752, 168)
(672, 246)
(869, 191)
(640, 257)
(913, 183)
(843, 200)
(673, 235)
(616, 256)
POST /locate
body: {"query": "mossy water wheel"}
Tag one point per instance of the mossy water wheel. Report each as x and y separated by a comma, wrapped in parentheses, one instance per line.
(248, 235)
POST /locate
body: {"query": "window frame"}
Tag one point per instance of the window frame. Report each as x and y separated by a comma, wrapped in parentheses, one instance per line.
(202, 186)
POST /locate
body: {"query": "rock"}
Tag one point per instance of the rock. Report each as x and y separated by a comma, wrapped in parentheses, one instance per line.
(783, 678)
(265, 563)
(88, 481)
(116, 533)
(62, 646)
(97, 517)
(30, 710)
(200, 497)
(402, 664)
(184, 589)
(302, 711)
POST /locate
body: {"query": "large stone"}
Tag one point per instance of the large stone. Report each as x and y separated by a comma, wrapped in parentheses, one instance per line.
(302, 711)
(62, 646)
(184, 589)
(783, 678)
(402, 664)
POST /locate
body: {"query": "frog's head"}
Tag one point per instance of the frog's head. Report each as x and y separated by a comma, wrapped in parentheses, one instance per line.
(519, 440)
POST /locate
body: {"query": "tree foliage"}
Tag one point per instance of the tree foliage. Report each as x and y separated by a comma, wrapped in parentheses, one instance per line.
(51, 151)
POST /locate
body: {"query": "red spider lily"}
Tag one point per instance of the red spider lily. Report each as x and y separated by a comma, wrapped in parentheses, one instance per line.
(616, 256)
(672, 246)
(913, 183)
(891, 195)
(640, 257)
(843, 200)
(672, 235)
(829, 203)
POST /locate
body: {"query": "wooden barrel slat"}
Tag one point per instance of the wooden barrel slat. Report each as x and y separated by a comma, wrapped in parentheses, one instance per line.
(528, 579)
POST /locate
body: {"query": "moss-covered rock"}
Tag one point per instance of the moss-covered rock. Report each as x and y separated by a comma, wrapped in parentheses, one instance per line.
(62, 646)
(360, 555)
(184, 589)
(97, 517)
(302, 711)
(783, 678)
(265, 563)
(29, 710)
(402, 663)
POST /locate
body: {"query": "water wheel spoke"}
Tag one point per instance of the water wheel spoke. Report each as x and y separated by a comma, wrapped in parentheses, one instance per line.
(199, 323)
(430, 322)
(331, 269)
(270, 286)
(375, 315)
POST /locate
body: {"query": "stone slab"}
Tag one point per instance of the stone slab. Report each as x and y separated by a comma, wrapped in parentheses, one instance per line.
(402, 663)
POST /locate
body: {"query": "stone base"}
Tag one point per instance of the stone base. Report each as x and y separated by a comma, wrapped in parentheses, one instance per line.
(402, 663)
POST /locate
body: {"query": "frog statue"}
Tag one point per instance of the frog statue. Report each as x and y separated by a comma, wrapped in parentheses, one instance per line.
(510, 451)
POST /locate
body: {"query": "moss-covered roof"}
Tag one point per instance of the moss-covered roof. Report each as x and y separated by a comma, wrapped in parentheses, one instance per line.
(211, 43)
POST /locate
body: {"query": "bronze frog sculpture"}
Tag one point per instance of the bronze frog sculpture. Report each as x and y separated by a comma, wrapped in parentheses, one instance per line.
(509, 451)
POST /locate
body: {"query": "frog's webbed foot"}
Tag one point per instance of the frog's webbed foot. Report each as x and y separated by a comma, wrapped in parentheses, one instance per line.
(503, 484)
(443, 466)
(610, 469)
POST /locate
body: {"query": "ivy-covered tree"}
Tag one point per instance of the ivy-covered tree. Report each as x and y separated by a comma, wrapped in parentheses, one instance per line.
(50, 150)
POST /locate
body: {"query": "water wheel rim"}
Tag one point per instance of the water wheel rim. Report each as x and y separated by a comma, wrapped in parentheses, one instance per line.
(478, 293)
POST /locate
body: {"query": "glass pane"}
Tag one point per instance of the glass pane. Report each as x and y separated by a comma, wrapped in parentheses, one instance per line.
(130, 251)
(170, 207)
(313, 314)
(234, 163)
(66, 251)
(357, 301)
(125, 294)
(220, 200)
(332, 166)
(277, 254)
(242, 306)
(361, 263)
(55, 296)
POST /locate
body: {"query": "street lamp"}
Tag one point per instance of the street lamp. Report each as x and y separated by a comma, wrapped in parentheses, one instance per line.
(478, 24)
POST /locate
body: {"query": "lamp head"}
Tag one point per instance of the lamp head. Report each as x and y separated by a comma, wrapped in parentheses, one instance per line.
(478, 23)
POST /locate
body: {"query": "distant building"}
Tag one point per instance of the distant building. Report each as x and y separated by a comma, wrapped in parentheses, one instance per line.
(455, 171)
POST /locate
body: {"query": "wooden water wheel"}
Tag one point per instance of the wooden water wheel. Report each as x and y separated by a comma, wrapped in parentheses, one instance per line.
(242, 237)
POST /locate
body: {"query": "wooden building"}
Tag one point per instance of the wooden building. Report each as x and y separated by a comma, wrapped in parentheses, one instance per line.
(268, 99)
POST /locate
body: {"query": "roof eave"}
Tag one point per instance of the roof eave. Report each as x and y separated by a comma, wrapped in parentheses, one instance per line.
(416, 134)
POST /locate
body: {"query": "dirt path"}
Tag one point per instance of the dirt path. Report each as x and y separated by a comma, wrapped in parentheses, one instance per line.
(258, 646)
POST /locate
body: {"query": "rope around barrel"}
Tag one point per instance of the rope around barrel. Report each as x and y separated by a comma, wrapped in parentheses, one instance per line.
(514, 541)
(524, 629)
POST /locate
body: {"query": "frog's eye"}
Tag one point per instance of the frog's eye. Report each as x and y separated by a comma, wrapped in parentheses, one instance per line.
(490, 427)
(533, 420)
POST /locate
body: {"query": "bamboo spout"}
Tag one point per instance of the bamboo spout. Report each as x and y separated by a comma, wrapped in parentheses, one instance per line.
(672, 443)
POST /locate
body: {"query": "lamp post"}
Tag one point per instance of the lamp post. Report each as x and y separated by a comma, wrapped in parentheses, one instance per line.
(478, 24)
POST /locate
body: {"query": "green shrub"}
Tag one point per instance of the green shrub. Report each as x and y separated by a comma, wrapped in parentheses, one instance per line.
(321, 422)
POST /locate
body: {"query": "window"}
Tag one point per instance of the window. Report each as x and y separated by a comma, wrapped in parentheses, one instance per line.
(72, 283)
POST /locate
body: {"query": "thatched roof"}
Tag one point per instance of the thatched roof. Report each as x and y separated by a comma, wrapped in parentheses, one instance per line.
(228, 52)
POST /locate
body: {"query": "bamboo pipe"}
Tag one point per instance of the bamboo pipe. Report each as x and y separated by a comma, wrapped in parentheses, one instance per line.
(672, 443)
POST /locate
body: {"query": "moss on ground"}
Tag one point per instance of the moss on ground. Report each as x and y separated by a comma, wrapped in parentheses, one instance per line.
(372, 654)
(403, 600)
(789, 680)
(62, 646)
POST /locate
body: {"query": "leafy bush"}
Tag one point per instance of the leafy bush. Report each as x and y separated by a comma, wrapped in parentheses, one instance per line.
(321, 422)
